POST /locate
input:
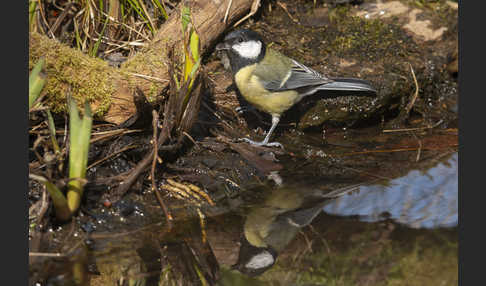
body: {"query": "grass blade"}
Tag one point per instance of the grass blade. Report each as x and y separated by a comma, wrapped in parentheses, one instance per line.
(52, 131)
(32, 7)
(162, 9)
(136, 6)
(94, 51)
(36, 82)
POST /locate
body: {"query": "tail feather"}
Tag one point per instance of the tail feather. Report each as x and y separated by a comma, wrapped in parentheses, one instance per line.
(348, 84)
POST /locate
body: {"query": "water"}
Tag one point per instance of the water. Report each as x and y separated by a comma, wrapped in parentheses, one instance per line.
(420, 199)
(291, 234)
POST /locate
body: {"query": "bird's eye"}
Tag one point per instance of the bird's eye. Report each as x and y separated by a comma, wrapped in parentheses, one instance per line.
(240, 40)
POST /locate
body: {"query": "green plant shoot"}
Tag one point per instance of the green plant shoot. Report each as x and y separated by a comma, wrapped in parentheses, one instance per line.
(59, 201)
(191, 47)
(80, 134)
(94, 51)
(36, 82)
(191, 52)
(32, 7)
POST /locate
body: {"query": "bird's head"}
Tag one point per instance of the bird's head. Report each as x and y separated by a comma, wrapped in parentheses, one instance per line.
(243, 47)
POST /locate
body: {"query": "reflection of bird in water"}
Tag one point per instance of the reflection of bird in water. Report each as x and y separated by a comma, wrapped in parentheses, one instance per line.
(271, 226)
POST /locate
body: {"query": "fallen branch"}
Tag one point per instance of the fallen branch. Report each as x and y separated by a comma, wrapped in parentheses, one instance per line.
(110, 90)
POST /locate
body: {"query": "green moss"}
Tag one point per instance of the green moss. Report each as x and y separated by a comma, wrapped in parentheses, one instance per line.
(152, 93)
(147, 62)
(367, 40)
(70, 71)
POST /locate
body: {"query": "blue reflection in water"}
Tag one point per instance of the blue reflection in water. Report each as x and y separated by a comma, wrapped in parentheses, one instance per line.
(420, 199)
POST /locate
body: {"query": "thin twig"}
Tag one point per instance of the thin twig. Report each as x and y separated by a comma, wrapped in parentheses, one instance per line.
(111, 156)
(419, 147)
(284, 7)
(61, 17)
(415, 95)
(111, 133)
(103, 235)
(148, 77)
(397, 150)
(43, 17)
(254, 8)
(190, 138)
(46, 254)
(36, 107)
(130, 28)
(419, 151)
(109, 180)
(227, 11)
(413, 129)
(125, 46)
(148, 16)
(132, 177)
(155, 124)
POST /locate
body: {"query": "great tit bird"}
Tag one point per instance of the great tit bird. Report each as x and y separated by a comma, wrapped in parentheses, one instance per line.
(273, 82)
(271, 226)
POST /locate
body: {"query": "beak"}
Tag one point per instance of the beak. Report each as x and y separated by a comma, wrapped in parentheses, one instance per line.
(222, 46)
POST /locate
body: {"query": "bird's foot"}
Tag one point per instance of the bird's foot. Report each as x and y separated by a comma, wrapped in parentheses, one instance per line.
(262, 143)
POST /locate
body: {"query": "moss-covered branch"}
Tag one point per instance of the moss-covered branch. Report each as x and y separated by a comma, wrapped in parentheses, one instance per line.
(109, 90)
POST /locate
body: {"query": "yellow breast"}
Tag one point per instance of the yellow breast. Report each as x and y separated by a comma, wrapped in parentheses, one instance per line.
(252, 90)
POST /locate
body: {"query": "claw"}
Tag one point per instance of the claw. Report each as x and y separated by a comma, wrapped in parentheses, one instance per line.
(262, 143)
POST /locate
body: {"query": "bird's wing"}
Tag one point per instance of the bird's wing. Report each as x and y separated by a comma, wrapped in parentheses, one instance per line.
(298, 76)
(303, 76)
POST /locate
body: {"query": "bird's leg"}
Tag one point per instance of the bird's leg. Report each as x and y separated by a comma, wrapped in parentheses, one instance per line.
(275, 120)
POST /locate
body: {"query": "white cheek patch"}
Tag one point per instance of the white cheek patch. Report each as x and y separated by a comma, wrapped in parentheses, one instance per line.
(249, 49)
